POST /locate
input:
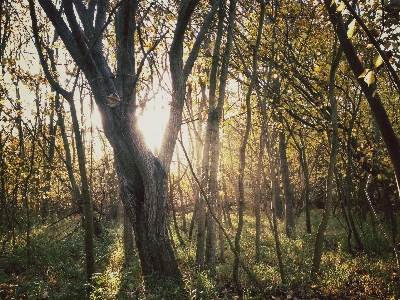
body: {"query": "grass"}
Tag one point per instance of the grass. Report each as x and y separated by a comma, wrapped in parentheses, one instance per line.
(57, 267)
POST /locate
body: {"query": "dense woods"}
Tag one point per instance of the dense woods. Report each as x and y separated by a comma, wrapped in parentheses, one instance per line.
(187, 149)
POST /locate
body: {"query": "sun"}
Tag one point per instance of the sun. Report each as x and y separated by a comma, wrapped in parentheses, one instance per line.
(153, 120)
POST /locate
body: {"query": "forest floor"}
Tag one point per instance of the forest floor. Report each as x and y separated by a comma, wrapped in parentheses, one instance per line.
(56, 267)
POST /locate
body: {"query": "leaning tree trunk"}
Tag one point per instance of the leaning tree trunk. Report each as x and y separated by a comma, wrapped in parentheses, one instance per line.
(370, 90)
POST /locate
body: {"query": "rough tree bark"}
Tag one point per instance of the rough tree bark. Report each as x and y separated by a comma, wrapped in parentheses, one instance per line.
(128, 240)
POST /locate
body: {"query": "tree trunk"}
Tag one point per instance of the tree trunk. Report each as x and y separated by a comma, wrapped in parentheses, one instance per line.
(242, 163)
(172, 185)
(86, 198)
(225, 204)
(212, 158)
(348, 201)
(318, 248)
(300, 145)
(201, 210)
(258, 197)
(181, 198)
(221, 237)
(198, 144)
(3, 190)
(304, 164)
(44, 208)
(128, 239)
(215, 116)
(273, 224)
(289, 215)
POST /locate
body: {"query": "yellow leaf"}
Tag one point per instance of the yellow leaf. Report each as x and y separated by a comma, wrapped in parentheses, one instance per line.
(370, 78)
(317, 68)
(378, 60)
(351, 29)
(363, 73)
(333, 2)
(341, 6)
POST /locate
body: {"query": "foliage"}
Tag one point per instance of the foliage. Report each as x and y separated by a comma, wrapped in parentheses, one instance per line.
(57, 271)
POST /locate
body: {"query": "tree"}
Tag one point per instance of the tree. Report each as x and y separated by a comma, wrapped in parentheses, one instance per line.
(142, 176)
(211, 150)
(83, 196)
(241, 171)
(332, 162)
(368, 87)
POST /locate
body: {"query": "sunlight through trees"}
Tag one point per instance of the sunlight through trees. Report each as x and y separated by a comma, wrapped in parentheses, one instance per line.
(194, 149)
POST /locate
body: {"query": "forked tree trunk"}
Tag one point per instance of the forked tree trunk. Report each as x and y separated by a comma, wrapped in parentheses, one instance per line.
(206, 237)
(216, 102)
(142, 176)
(210, 160)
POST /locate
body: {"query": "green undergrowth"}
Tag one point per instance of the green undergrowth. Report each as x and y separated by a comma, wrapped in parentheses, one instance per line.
(56, 268)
